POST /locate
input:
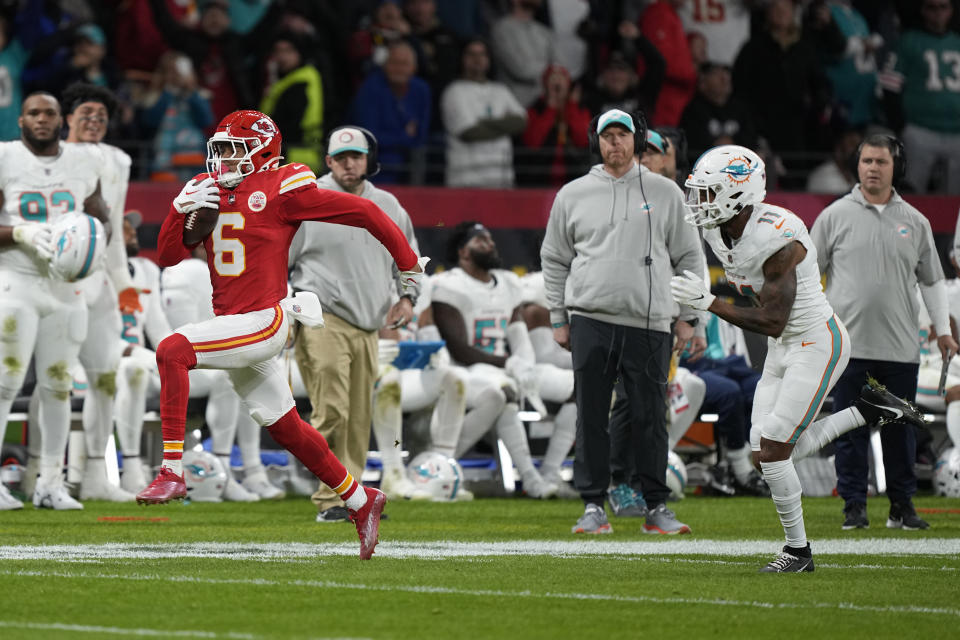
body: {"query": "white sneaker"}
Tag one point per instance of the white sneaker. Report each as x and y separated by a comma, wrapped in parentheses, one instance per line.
(132, 478)
(536, 487)
(463, 495)
(96, 486)
(54, 495)
(7, 501)
(397, 486)
(258, 484)
(234, 492)
(564, 490)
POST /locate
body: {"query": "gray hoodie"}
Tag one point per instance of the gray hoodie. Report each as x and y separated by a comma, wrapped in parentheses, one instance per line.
(353, 274)
(600, 233)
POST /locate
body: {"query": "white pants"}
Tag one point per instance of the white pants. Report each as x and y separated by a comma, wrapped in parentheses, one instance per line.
(797, 376)
(245, 345)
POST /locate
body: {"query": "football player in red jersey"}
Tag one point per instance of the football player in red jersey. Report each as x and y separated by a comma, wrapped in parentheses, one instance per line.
(261, 204)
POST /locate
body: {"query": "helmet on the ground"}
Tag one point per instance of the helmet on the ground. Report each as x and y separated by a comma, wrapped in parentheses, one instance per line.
(436, 474)
(248, 136)
(723, 181)
(79, 247)
(676, 475)
(946, 474)
(205, 476)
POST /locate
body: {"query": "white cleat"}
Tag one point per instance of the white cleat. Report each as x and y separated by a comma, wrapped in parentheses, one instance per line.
(397, 486)
(234, 492)
(564, 490)
(7, 501)
(96, 486)
(54, 495)
(258, 484)
(463, 495)
(536, 487)
(105, 491)
(133, 479)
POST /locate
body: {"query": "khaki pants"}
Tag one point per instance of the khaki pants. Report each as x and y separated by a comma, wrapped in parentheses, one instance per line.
(338, 364)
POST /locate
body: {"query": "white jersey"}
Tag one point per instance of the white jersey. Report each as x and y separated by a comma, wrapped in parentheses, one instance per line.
(769, 229)
(43, 189)
(146, 275)
(486, 307)
(724, 23)
(187, 292)
(113, 187)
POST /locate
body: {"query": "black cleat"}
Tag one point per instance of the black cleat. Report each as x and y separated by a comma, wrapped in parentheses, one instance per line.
(878, 406)
(904, 516)
(855, 517)
(755, 485)
(791, 561)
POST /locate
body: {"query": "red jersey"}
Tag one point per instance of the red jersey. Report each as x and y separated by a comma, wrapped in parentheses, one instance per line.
(247, 251)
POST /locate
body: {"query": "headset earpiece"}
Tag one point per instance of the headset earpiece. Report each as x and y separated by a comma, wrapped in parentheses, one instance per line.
(898, 152)
(373, 156)
(639, 134)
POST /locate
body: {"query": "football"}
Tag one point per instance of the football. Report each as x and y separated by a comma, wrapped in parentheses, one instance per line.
(199, 224)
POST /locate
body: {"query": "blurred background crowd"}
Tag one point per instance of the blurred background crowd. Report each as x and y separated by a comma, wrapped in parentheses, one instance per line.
(498, 93)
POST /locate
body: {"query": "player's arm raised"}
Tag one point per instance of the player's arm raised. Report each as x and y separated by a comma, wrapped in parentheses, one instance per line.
(774, 302)
(198, 193)
(312, 203)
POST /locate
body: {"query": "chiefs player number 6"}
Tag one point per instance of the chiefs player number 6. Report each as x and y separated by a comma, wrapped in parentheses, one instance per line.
(229, 256)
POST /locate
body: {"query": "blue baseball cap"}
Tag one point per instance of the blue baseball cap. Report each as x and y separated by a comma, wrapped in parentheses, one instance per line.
(656, 141)
(93, 33)
(616, 116)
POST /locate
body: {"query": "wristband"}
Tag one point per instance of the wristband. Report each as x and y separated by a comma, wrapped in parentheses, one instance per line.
(559, 325)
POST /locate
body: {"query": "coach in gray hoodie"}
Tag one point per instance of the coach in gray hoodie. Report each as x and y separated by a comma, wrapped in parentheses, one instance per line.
(349, 271)
(615, 238)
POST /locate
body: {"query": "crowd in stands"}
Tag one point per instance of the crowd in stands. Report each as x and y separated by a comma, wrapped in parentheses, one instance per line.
(499, 92)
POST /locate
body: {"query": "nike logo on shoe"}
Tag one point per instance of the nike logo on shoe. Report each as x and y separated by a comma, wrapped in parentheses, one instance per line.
(807, 344)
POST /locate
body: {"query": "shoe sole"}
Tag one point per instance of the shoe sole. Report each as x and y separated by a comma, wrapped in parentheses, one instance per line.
(851, 527)
(658, 531)
(896, 524)
(602, 529)
(366, 549)
(147, 501)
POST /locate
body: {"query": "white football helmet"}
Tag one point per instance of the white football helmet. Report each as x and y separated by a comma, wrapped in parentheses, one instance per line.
(724, 180)
(436, 474)
(676, 475)
(205, 476)
(79, 247)
(946, 474)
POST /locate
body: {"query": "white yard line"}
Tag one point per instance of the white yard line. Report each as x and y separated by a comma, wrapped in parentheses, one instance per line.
(84, 628)
(492, 593)
(439, 550)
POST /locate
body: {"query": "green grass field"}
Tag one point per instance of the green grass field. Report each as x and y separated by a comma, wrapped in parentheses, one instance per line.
(494, 568)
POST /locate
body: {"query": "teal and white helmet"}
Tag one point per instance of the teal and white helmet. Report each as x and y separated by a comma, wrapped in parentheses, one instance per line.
(79, 247)
(723, 181)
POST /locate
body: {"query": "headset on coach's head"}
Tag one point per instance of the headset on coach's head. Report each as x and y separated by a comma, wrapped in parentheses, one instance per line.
(373, 157)
(639, 134)
(894, 145)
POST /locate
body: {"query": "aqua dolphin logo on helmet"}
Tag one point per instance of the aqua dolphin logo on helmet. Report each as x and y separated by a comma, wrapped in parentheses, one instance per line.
(724, 181)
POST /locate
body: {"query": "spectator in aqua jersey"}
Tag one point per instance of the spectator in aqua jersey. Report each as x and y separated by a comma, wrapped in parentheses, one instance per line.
(922, 93)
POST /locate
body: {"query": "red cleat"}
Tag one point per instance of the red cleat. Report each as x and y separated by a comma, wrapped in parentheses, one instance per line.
(367, 519)
(166, 486)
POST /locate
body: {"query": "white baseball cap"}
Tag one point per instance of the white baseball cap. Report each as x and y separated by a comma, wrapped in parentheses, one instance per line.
(347, 139)
(616, 116)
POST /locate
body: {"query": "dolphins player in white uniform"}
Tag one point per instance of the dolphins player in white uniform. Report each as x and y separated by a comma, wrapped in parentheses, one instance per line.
(767, 255)
(41, 181)
(88, 109)
(477, 309)
(439, 384)
(188, 298)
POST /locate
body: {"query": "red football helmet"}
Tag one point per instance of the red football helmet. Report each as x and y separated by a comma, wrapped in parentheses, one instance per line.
(249, 141)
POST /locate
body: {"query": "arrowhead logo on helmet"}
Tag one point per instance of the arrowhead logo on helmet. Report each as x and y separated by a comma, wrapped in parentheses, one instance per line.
(244, 143)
